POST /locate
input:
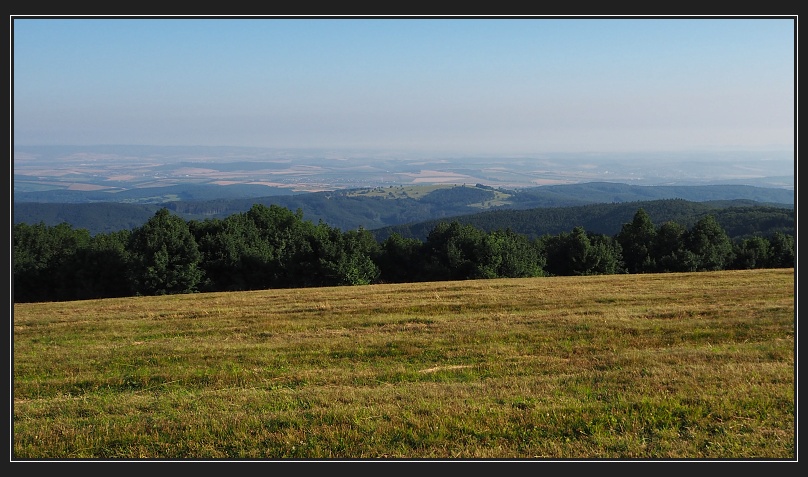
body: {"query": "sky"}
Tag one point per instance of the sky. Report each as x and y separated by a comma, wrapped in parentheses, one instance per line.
(457, 85)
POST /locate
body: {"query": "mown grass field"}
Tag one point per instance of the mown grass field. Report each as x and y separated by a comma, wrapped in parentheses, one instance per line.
(663, 366)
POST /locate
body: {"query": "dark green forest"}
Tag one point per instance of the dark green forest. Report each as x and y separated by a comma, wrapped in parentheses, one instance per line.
(274, 247)
(739, 218)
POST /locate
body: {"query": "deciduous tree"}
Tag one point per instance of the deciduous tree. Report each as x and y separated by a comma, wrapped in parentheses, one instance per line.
(165, 257)
(636, 240)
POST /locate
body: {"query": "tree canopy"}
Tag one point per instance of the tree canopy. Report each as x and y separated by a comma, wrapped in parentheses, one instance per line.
(274, 247)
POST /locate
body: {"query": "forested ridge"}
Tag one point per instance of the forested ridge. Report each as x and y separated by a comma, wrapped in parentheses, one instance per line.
(274, 247)
(102, 212)
(739, 218)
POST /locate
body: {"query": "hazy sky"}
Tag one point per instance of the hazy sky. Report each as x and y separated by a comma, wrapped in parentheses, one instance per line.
(526, 85)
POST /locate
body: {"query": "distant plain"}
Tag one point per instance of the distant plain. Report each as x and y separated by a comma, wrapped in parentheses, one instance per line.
(117, 168)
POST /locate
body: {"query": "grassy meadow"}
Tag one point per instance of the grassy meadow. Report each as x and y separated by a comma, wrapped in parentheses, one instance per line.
(661, 366)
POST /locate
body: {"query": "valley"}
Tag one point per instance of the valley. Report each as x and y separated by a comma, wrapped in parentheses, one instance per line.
(115, 169)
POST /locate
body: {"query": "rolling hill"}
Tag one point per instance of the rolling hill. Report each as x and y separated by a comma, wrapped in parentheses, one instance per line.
(406, 209)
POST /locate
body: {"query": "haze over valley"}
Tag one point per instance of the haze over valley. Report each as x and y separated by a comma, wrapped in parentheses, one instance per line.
(114, 169)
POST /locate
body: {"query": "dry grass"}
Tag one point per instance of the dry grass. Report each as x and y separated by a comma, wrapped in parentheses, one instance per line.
(667, 366)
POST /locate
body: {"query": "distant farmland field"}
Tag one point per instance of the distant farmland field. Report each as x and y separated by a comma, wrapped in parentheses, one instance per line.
(662, 366)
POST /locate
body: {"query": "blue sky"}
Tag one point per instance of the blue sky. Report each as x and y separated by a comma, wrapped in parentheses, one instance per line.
(470, 85)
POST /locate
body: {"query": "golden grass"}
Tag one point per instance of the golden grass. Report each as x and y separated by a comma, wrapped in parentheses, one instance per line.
(663, 366)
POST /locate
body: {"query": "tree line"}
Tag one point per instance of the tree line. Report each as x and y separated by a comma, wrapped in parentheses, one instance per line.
(274, 247)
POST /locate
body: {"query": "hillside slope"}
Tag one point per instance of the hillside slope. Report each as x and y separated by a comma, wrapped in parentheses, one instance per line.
(385, 207)
(738, 218)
